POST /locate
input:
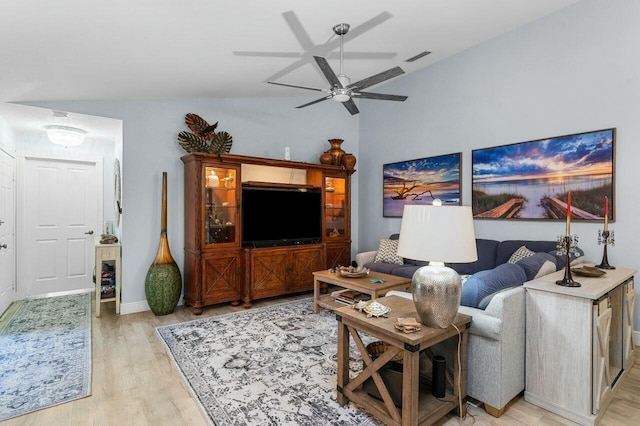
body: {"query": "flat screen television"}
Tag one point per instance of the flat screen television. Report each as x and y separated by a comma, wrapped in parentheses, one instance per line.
(275, 216)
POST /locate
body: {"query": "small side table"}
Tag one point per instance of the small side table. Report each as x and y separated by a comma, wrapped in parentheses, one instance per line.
(417, 408)
(107, 252)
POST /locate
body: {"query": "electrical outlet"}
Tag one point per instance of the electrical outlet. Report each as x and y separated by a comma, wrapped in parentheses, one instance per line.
(287, 153)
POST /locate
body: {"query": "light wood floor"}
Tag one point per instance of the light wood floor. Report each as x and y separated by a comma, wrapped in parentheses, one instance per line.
(135, 383)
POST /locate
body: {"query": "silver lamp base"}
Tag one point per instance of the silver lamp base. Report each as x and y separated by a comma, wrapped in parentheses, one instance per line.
(436, 294)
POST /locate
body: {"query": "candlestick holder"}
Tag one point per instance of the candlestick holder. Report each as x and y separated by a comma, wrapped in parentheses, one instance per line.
(607, 238)
(566, 245)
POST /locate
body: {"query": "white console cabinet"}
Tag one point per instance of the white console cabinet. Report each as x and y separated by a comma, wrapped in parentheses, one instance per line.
(579, 342)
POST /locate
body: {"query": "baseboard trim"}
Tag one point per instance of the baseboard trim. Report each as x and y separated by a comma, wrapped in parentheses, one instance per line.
(141, 306)
(134, 307)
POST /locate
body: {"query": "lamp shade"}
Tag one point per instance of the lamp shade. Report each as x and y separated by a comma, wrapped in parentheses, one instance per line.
(438, 234)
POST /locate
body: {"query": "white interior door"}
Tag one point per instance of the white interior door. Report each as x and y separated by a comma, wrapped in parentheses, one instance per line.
(61, 216)
(7, 230)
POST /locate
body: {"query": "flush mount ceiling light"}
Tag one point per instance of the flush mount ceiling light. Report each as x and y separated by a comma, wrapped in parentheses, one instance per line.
(65, 135)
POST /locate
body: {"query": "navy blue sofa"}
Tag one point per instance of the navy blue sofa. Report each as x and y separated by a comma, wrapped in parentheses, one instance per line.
(491, 253)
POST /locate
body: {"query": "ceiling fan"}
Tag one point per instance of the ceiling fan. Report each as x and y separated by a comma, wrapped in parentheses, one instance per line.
(342, 90)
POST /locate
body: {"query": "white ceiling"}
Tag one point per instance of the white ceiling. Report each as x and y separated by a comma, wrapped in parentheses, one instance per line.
(159, 49)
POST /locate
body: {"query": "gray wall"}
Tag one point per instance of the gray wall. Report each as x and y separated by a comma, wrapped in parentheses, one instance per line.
(574, 71)
(260, 127)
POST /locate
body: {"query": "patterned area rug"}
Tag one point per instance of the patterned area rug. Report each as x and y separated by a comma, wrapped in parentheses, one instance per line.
(45, 354)
(266, 366)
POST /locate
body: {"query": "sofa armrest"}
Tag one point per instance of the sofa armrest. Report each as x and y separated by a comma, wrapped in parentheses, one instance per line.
(365, 257)
(509, 305)
(506, 310)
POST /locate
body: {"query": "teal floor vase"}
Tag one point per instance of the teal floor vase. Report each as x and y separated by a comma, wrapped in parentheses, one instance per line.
(163, 284)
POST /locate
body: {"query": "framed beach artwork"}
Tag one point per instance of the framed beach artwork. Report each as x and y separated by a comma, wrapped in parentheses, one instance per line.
(420, 182)
(531, 180)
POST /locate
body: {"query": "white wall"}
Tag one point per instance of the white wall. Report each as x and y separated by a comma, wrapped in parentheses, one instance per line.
(259, 127)
(7, 139)
(573, 71)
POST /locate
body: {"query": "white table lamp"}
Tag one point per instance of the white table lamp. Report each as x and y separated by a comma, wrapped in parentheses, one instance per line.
(437, 234)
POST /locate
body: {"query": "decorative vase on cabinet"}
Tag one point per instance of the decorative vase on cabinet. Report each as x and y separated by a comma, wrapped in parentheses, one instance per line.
(163, 283)
(336, 152)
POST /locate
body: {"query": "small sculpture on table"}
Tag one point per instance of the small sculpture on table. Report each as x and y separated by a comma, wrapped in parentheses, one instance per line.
(567, 244)
(606, 237)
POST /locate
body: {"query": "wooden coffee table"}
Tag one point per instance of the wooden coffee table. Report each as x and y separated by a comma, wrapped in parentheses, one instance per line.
(418, 407)
(363, 285)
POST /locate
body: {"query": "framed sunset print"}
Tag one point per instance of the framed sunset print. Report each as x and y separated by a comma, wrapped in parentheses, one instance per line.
(420, 181)
(531, 180)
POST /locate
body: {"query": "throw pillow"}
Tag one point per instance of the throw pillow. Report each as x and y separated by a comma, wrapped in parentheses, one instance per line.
(520, 254)
(388, 252)
(485, 283)
(575, 257)
(538, 265)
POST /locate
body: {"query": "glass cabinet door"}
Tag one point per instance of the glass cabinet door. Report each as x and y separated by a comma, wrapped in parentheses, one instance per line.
(335, 207)
(220, 212)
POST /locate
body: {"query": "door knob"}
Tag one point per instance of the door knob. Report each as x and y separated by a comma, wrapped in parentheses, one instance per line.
(3, 246)
(1, 222)
(89, 233)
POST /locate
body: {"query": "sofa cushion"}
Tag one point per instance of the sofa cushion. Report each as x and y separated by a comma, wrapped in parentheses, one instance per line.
(385, 268)
(388, 252)
(520, 254)
(486, 258)
(406, 271)
(507, 247)
(538, 265)
(484, 283)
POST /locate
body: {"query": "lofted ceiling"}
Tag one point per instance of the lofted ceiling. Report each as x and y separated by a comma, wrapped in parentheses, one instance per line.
(161, 49)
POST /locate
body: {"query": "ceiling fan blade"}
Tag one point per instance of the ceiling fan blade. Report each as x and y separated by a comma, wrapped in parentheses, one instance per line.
(377, 78)
(380, 96)
(366, 26)
(331, 77)
(314, 102)
(298, 87)
(351, 106)
(363, 55)
(298, 30)
(268, 54)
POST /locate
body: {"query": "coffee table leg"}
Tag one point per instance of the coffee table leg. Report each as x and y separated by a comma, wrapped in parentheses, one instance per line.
(343, 360)
(316, 294)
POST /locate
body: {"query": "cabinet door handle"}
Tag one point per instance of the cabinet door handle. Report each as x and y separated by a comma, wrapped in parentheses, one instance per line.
(3, 246)
(1, 222)
(89, 232)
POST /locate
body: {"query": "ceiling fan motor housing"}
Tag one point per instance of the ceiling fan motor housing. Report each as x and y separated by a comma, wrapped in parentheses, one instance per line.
(342, 94)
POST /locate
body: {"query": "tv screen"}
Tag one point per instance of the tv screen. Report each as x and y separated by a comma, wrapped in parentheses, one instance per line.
(280, 216)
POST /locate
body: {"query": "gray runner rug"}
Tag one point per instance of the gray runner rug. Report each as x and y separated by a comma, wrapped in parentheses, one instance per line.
(45, 354)
(265, 366)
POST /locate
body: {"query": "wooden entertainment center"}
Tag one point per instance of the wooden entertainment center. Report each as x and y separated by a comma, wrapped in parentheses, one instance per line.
(218, 268)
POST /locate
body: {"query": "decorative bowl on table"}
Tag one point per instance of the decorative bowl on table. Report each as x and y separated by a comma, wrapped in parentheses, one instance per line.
(588, 271)
(351, 272)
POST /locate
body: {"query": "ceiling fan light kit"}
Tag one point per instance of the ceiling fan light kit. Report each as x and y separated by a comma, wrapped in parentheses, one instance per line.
(342, 90)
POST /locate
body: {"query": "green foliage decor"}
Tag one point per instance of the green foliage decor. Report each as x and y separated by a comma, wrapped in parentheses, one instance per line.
(204, 137)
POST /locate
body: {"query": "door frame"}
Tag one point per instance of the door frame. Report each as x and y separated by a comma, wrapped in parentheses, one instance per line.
(21, 171)
(15, 226)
